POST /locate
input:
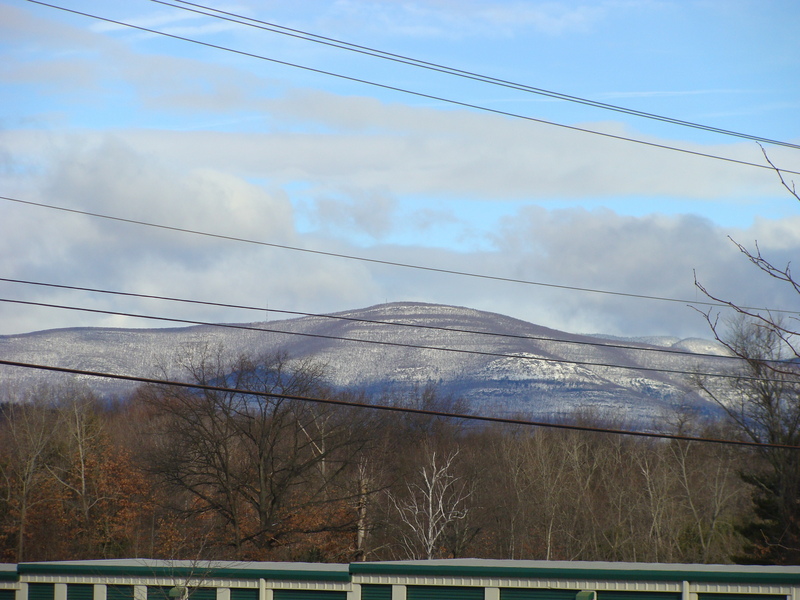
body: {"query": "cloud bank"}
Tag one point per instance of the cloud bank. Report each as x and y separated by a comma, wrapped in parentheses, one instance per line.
(109, 123)
(653, 255)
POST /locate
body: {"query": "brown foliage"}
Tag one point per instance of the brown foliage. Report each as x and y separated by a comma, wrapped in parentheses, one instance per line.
(202, 476)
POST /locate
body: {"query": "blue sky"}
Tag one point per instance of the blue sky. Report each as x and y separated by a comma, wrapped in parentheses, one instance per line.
(105, 118)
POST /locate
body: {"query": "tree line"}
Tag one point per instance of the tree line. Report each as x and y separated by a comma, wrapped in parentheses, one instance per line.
(189, 473)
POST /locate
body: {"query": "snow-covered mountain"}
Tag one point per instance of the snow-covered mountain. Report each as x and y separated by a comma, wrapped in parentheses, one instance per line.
(498, 364)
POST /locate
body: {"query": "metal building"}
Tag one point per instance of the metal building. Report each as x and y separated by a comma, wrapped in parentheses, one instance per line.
(460, 579)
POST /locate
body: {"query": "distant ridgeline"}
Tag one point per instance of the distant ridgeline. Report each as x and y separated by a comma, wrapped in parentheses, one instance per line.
(457, 579)
(496, 364)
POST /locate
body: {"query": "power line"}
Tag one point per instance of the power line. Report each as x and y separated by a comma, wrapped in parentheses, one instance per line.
(431, 66)
(397, 409)
(561, 361)
(339, 317)
(417, 411)
(414, 93)
(384, 262)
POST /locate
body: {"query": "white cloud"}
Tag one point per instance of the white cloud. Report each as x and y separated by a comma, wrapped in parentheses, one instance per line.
(361, 166)
(103, 174)
(370, 214)
(419, 151)
(653, 255)
(774, 235)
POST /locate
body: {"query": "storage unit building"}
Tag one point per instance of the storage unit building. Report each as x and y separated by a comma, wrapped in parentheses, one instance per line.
(459, 579)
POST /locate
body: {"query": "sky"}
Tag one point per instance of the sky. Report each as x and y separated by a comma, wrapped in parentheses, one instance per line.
(319, 171)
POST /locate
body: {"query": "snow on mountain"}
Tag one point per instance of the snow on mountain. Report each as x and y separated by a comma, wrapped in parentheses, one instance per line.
(498, 364)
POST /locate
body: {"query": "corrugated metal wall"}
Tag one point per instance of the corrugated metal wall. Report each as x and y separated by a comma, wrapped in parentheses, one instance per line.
(308, 595)
(740, 597)
(614, 595)
(203, 593)
(376, 592)
(119, 592)
(80, 591)
(443, 592)
(244, 594)
(41, 591)
(536, 594)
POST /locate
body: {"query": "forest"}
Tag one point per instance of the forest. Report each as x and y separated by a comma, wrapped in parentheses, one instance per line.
(214, 473)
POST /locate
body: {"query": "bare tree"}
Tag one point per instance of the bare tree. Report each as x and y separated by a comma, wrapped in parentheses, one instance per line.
(436, 501)
(764, 403)
(251, 463)
(28, 429)
(576, 496)
(786, 330)
(536, 469)
(79, 443)
(710, 492)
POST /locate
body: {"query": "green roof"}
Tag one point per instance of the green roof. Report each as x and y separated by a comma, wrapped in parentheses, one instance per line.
(583, 571)
(8, 572)
(190, 569)
(479, 568)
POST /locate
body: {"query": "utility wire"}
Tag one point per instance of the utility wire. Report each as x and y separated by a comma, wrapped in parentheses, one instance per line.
(391, 323)
(386, 262)
(389, 408)
(400, 409)
(561, 361)
(431, 66)
(414, 93)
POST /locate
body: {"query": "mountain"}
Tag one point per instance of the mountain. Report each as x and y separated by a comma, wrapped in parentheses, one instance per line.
(497, 364)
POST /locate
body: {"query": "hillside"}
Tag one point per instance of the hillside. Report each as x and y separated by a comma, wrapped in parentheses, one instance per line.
(498, 364)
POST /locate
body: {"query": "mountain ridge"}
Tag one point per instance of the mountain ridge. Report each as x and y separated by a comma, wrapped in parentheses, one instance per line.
(496, 363)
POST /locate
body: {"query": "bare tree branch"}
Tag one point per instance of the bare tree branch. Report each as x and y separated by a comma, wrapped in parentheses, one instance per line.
(790, 188)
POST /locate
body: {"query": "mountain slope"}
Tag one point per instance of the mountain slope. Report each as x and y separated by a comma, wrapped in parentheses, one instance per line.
(521, 368)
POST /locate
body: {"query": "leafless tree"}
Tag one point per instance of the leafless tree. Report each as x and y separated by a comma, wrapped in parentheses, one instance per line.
(436, 501)
(252, 462)
(28, 428)
(786, 329)
(711, 495)
(764, 403)
(79, 443)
